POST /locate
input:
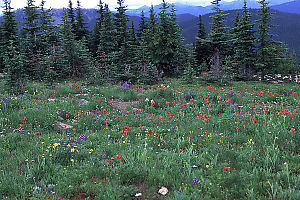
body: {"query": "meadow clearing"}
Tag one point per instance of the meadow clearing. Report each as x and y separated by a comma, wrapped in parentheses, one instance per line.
(70, 140)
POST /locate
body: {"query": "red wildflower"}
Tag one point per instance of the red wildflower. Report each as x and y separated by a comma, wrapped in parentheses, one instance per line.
(25, 119)
(292, 130)
(117, 156)
(150, 131)
(254, 120)
(37, 133)
(180, 150)
(74, 129)
(226, 168)
(221, 142)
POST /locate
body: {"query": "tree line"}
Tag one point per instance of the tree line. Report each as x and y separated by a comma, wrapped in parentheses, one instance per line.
(114, 50)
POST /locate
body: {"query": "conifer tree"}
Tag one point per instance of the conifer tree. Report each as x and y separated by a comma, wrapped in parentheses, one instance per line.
(149, 39)
(95, 34)
(107, 47)
(31, 26)
(15, 65)
(31, 41)
(243, 44)
(80, 30)
(270, 51)
(218, 37)
(167, 41)
(69, 47)
(71, 16)
(9, 31)
(121, 34)
(202, 50)
(142, 26)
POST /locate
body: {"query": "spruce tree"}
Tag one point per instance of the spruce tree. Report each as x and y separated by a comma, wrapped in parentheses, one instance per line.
(120, 24)
(80, 30)
(71, 16)
(270, 51)
(69, 47)
(9, 31)
(149, 39)
(167, 41)
(202, 50)
(142, 26)
(15, 65)
(107, 47)
(243, 44)
(30, 44)
(218, 37)
(95, 34)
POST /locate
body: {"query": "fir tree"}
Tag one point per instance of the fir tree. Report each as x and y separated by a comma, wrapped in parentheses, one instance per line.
(95, 34)
(107, 47)
(218, 37)
(69, 47)
(189, 71)
(80, 30)
(8, 32)
(269, 50)
(71, 16)
(149, 37)
(167, 41)
(243, 44)
(9, 23)
(202, 50)
(142, 26)
(15, 65)
(31, 26)
(121, 37)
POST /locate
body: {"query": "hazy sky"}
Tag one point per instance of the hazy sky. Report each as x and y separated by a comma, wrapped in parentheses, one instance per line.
(111, 3)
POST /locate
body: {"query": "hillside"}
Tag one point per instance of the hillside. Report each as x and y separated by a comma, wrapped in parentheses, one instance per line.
(289, 7)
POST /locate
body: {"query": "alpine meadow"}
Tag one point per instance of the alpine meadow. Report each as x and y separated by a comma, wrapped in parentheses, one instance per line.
(122, 103)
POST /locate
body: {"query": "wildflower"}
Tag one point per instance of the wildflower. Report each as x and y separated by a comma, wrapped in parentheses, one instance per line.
(104, 156)
(72, 150)
(180, 150)
(37, 133)
(120, 163)
(226, 168)
(221, 142)
(25, 119)
(117, 156)
(172, 129)
(195, 181)
(292, 130)
(150, 131)
(254, 120)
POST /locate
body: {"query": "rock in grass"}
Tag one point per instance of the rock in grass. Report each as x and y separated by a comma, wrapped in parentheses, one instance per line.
(82, 102)
(62, 127)
(163, 191)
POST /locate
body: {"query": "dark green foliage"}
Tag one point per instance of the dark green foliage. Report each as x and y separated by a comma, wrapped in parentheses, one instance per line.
(94, 40)
(81, 29)
(8, 31)
(270, 51)
(202, 49)
(71, 16)
(243, 44)
(189, 71)
(15, 67)
(218, 34)
(167, 41)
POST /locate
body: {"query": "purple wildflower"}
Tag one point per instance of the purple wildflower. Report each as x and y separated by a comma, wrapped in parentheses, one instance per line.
(195, 181)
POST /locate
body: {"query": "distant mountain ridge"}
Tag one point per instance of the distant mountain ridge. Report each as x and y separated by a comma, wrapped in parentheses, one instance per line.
(200, 10)
(289, 7)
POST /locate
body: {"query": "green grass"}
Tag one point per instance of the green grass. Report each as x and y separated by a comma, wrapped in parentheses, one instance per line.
(251, 128)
